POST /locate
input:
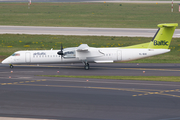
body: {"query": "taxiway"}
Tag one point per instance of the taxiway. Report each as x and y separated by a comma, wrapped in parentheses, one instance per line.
(26, 95)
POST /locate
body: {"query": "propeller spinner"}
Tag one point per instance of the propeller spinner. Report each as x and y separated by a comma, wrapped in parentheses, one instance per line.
(61, 51)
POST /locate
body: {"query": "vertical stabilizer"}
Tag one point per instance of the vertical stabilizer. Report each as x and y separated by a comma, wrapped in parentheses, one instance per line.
(163, 36)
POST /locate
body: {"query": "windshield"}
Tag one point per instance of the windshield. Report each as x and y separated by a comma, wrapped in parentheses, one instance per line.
(15, 54)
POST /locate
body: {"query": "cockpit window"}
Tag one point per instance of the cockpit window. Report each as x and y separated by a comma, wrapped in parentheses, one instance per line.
(15, 54)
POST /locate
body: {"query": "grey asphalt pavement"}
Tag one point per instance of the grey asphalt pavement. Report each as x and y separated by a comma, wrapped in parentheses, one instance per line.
(25, 95)
(81, 31)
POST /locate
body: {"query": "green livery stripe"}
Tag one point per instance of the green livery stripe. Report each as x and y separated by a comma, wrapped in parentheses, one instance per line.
(143, 45)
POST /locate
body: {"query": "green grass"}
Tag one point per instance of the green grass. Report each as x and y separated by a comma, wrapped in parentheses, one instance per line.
(114, 15)
(145, 78)
(11, 43)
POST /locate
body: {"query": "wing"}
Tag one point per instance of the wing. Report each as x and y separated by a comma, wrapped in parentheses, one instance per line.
(84, 52)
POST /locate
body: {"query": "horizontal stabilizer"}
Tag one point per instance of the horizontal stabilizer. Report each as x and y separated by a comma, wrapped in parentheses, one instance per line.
(168, 25)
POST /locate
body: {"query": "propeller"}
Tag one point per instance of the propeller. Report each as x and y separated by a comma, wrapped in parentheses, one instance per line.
(61, 51)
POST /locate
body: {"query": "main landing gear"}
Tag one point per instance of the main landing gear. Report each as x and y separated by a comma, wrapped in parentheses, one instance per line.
(11, 66)
(86, 65)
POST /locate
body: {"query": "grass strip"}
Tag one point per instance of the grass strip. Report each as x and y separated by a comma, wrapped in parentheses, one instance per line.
(143, 78)
(116, 15)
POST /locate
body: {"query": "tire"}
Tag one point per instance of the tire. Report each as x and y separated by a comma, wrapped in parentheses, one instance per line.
(86, 66)
(11, 66)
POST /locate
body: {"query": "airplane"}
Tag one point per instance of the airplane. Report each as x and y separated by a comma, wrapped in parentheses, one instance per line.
(85, 54)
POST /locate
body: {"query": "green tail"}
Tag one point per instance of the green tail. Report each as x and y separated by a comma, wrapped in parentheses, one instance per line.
(161, 39)
(163, 36)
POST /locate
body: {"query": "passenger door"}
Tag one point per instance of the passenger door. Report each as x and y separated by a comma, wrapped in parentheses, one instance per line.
(28, 57)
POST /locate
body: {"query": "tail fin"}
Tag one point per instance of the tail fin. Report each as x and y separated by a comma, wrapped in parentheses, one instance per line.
(163, 36)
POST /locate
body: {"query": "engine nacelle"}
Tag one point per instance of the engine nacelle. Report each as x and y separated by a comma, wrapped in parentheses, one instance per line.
(69, 54)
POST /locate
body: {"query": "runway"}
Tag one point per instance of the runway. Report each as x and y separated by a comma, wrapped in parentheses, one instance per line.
(82, 31)
(26, 95)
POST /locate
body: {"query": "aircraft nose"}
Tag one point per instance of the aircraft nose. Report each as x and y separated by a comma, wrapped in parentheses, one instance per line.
(5, 61)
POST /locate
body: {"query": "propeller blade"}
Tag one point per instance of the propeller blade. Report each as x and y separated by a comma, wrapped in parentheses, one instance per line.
(61, 51)
(61, 47)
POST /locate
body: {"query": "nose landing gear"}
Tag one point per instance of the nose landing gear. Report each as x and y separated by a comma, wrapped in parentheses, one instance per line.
(11, 66)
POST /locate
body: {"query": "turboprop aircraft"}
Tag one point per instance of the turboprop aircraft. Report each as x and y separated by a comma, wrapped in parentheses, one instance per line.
(85, 54)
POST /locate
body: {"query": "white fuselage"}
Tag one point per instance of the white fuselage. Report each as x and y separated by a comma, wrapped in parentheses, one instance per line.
(97, 55)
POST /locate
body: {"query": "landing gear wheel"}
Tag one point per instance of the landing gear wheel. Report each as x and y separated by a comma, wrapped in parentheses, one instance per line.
(86, 66)
(11, 66)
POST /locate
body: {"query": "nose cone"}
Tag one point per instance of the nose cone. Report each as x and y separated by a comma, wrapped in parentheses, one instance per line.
(5, 61)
